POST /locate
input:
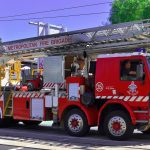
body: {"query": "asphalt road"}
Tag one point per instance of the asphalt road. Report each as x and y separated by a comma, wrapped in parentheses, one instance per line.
(45, 137)
(5, 147)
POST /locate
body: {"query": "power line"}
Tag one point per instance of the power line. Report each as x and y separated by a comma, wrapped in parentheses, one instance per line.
(54, 17)
(54, 10)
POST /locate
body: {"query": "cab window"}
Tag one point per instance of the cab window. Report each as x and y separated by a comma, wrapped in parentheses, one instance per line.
(131, 69)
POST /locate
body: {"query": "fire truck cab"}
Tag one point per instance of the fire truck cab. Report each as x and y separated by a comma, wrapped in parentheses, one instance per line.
(115, 96)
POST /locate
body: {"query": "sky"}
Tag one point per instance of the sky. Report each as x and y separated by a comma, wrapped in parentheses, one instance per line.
(12, 30)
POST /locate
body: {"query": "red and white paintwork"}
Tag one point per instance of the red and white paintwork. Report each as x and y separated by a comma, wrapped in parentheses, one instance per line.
(126, 98)
(28, 95)
(52, 85)
(108, 88)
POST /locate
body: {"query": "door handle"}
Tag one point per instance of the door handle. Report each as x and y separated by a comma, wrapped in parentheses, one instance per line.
(27, 104)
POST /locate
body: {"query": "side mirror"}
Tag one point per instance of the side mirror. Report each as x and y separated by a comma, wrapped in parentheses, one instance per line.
(140, 72)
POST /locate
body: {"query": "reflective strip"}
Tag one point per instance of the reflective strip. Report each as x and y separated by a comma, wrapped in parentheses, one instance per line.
(139, 98)
(109, 97)
(49, 85)
(121, 97)
(61, 85)
(37, 94)
(115, 97)
(46, 84)
(17, 94)
(103, 97)
(145, 99)
(52, 85)
(41, 95)
(29, 94)
(126, 98)
(21, 94)
(97, 97)
(25, 94)
(133, 98)
(33, 95)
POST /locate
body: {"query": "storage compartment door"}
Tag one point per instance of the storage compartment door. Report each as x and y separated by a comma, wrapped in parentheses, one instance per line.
(37, 111)
(21, 108)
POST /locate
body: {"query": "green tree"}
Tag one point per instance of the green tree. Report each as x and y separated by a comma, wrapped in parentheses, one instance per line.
(146, 12)
(129, 10)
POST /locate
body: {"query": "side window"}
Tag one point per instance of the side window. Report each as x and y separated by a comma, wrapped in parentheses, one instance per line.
(129, 69)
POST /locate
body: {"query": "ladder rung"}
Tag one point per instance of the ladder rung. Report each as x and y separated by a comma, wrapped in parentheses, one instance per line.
(141, 111)
(8, 115)
(10, 107)
(141, 121)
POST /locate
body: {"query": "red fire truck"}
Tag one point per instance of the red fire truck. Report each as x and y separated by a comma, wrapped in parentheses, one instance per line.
(113, 95)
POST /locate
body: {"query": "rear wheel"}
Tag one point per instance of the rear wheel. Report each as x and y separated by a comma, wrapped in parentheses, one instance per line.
(118, 126)
(75, 123)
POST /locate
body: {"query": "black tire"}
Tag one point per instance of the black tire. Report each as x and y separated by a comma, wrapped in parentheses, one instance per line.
(120, 118)
(8, 122)
(146, 131)
(83, 127)
(31, 123)
(101, 129)
(2, 123)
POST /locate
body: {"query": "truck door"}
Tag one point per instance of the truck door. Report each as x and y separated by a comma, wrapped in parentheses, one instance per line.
(132, 88)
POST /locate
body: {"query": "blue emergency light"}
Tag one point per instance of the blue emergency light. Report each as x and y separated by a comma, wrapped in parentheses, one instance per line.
(141, 50)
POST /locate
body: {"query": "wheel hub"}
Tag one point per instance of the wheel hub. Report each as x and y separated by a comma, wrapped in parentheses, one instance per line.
(117, 126)
(75, 123)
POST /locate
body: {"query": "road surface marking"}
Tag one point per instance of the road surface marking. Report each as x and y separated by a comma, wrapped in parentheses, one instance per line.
(19, 148)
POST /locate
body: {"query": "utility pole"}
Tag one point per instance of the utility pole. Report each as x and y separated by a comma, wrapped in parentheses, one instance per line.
(1, 47)
(1, 66)
(42, 30)
(46, 29)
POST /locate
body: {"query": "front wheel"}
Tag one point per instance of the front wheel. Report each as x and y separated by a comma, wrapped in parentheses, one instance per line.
(75, 123)
(118, 126)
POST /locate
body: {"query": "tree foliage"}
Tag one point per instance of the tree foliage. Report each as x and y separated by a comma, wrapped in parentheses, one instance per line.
(129, 10)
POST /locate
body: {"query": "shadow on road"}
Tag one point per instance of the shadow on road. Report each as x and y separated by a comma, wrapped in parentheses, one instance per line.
(58, 136)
